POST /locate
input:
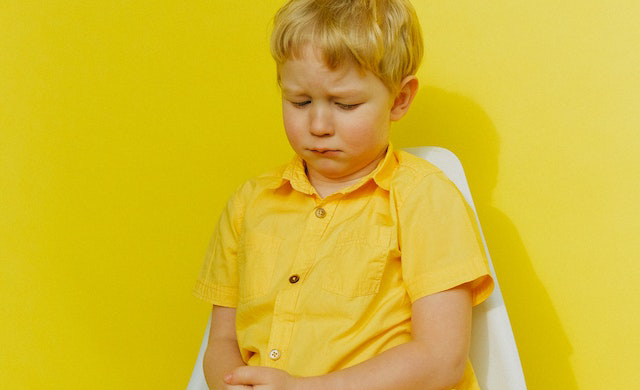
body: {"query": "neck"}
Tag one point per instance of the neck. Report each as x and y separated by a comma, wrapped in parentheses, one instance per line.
(326, 188)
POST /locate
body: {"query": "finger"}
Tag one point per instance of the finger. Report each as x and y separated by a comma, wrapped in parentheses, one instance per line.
(237, 387)
(247, 376)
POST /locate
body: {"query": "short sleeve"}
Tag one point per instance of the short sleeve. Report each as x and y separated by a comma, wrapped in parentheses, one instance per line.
(440, 242)
(218, 279)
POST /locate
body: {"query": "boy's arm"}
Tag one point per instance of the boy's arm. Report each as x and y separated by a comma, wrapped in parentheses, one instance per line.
(222, 354)
(435, 358)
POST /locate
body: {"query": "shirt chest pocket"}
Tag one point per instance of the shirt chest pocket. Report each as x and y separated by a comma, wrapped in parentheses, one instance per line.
(257, 255)
(355, 265)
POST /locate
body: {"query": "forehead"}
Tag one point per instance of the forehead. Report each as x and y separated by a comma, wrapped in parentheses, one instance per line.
(309, 69)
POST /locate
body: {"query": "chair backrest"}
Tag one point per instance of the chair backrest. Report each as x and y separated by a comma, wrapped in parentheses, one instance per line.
(494, 354)
(197, 381)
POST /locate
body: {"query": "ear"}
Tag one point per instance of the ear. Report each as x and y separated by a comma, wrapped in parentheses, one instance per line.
(404, 97)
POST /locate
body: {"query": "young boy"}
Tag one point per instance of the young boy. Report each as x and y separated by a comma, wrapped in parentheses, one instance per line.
(354, 266)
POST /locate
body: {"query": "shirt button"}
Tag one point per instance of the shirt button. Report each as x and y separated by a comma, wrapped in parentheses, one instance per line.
(294, 279)
(274, 354)
(320, 213)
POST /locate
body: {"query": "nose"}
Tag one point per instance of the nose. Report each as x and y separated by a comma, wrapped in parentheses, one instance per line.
(321, 121)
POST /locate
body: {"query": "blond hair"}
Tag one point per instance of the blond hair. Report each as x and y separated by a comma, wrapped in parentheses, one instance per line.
(381, 36)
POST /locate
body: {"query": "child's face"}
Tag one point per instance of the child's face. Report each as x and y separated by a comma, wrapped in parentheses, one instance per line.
(337, 120)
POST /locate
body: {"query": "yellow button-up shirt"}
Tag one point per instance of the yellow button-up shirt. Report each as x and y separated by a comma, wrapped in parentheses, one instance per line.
(320, 284)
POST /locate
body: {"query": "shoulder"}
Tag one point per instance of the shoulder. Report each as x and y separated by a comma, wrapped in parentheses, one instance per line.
(409, 164)
(255, 186)
(413, 171)
(418, 182)
(249, 193)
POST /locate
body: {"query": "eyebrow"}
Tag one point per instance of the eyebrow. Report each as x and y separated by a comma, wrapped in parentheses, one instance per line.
(291, 91)
(335, 93)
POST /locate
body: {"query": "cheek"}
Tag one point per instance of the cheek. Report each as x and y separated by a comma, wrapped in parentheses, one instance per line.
(291, 128)
(290, 117)
(369, 128)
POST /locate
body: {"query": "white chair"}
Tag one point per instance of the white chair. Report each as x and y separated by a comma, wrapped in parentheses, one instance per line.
(494, 354)
(197, 381)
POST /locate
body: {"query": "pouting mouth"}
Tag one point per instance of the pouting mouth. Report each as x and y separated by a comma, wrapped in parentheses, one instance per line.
(323, 150)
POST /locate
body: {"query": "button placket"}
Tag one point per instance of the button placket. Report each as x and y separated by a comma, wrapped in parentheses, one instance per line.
(285, 308)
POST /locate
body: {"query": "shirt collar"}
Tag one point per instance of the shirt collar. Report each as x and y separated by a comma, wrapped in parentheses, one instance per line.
(295, 173)
(384, 171)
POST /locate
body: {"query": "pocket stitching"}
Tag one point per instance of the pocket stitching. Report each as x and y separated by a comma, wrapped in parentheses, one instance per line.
(369, 283)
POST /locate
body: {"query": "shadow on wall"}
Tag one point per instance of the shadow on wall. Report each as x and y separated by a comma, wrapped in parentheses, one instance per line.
(441, 118)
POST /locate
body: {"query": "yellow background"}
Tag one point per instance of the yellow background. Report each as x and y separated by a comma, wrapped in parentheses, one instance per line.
(124, 126)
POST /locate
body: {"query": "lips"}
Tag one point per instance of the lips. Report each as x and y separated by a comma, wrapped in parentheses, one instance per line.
(323, 150)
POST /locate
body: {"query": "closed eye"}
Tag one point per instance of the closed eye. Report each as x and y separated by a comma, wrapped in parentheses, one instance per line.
(348, 107)
(301, 104)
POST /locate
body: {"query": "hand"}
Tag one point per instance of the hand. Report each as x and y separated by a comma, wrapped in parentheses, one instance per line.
(239, 387)
(262, 378)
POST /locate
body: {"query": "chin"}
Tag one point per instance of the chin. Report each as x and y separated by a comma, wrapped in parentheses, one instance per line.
(327, 166)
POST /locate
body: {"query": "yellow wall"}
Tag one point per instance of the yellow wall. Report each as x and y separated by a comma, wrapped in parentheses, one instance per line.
(125, 125)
